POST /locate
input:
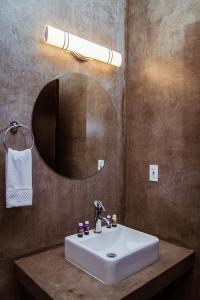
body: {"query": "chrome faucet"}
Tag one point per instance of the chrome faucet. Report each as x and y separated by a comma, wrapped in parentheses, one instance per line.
(98, 219)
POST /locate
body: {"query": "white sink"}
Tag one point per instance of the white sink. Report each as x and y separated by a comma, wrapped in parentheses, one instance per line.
(129, 250)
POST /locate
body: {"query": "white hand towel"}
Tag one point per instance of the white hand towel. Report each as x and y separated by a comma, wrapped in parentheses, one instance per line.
(19, 190)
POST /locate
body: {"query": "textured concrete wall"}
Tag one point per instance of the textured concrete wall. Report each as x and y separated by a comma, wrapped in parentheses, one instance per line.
(26, 65)
(163, 124)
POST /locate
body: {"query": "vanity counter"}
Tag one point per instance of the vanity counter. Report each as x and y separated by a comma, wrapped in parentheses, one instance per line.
(47, 275)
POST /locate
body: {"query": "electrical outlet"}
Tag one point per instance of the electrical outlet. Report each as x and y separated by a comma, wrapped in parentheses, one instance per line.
(100, 164)
(153, 173)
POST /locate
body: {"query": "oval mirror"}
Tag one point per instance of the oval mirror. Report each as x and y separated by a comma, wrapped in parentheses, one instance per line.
(74, 125)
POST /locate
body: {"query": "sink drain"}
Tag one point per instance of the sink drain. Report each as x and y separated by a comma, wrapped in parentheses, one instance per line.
(111, 255)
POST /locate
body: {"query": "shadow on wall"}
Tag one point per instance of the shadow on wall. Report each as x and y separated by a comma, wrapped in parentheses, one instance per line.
(191, 133)
(163, 119)
(191, 111)
(189, 181)
(191, 152)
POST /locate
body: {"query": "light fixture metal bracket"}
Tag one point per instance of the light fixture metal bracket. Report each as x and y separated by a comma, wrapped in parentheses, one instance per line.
(80, 57)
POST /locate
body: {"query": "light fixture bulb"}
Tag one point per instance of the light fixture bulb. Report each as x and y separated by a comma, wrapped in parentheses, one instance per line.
(87, 49)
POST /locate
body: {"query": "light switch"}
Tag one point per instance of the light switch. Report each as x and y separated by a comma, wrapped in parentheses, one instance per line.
(100, 164)
(153, 173)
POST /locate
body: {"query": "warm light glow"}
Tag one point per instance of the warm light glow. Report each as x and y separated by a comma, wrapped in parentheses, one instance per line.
(70, 42)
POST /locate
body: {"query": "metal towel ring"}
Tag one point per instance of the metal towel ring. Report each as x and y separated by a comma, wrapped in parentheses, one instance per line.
(13, 129)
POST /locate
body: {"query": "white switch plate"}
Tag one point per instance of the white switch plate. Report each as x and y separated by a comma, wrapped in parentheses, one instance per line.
(100, 164)
(153, 173)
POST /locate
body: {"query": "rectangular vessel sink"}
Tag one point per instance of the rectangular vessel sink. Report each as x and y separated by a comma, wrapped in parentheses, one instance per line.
(114, 254)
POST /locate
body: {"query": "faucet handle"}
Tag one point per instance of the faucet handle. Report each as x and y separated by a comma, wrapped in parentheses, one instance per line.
(98, 205)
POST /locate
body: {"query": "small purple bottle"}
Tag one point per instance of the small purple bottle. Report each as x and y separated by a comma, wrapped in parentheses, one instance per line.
(80, 230)
(86, 227)
(109, 220)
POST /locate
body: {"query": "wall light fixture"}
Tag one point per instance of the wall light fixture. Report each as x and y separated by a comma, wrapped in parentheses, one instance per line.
(82, 48)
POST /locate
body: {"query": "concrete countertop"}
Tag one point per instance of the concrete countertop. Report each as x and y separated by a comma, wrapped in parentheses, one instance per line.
(47, 275)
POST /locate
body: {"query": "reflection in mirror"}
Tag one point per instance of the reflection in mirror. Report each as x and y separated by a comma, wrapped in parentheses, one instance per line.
(74, 125)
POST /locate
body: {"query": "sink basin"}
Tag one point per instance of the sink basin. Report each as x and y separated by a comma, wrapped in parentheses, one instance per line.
(113, 254)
